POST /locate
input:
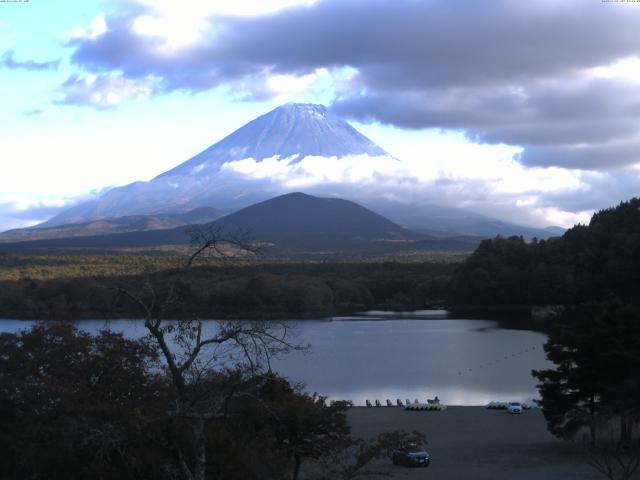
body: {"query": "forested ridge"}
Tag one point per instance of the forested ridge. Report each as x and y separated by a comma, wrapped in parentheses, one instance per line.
(595, 262)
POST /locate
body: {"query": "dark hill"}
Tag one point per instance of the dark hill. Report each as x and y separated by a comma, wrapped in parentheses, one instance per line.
(297, 216)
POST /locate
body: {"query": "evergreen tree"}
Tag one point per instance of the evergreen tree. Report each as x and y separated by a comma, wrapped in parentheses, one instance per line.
(596, 350)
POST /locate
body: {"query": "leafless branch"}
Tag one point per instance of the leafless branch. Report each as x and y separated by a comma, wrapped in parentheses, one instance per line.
(183, 345)
(613, 457)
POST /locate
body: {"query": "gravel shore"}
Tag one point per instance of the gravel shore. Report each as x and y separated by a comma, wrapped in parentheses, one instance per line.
(473, 443)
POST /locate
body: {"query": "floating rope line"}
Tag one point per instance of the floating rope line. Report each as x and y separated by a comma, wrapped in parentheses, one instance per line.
(497, 361)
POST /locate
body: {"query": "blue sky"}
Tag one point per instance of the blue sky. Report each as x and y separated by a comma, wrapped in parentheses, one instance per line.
(523, 110)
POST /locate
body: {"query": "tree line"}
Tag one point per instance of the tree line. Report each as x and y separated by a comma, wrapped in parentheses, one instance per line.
(599, 261)
(222, 290)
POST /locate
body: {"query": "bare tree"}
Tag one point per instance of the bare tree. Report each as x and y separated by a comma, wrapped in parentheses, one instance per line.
(616, 452)
(352, 459)
(194, 351)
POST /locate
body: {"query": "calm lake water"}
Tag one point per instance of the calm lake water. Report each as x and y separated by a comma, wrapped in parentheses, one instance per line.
(384, 355)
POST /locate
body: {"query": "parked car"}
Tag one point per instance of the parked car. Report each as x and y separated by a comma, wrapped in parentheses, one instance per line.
(514, 407)
(411, 456)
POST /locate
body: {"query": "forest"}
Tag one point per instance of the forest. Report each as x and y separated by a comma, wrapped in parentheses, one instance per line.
(595, 262)
(86, 286)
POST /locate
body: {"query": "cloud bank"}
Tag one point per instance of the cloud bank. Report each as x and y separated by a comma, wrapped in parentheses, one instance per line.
(497, 184)
(18, 211)
(520, 73)
(542, 75)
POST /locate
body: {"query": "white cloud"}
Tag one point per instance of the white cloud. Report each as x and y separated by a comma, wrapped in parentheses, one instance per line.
(97, 27)
(315, 170)
(178, 8)
(106, 90)
(287, 87)
(21, 202)
(556, 216)
(176, 31)
(57, 169)
(20, 209)
(181, 24)
(625, 69)
(464, 175)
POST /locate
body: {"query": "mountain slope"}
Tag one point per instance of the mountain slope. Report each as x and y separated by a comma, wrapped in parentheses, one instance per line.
(441, 221)
(294, 129)
(290, 130)
(132, 223)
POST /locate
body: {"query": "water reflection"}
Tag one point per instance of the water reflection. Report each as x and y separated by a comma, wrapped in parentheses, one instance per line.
(463, 362)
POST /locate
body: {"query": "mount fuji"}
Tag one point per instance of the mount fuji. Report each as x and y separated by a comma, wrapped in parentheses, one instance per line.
(287, 134)
(292, 131)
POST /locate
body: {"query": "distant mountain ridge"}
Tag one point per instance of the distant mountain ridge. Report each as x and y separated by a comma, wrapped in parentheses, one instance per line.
(132, 223)
(294, 223)
(442, 221)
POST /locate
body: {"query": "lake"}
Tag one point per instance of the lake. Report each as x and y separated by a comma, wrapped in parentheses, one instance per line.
(392, 355)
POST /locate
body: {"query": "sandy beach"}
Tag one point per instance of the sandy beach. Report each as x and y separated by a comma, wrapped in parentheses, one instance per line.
(473, 443)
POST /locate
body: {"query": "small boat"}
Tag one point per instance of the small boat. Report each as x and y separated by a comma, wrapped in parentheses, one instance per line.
(429, 407)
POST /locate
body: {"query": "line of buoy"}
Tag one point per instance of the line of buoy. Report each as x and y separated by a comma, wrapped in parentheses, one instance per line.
(505, 357)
